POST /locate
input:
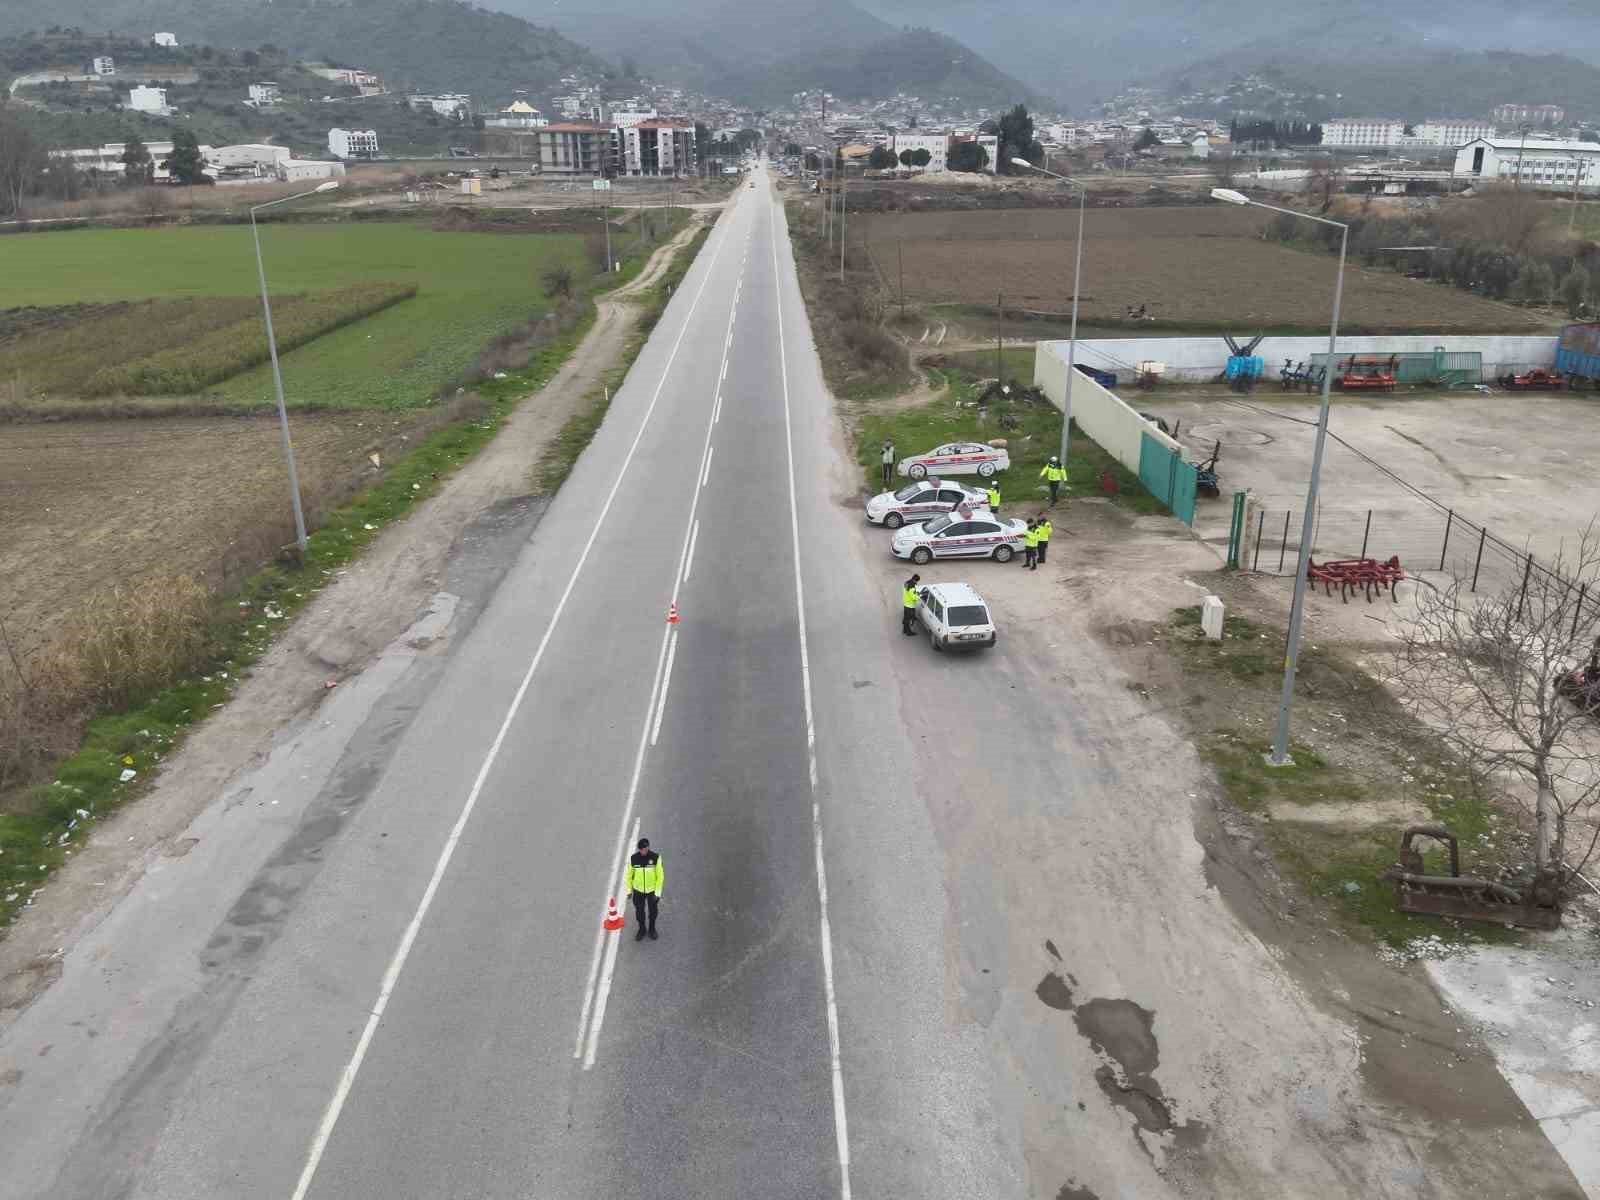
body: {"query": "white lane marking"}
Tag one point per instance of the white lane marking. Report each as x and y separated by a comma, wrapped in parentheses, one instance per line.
(724, 368)
(840, 1125)
(391, 976)
(622, 843)
(694, 539)
(605, 949)
(706, 478)
(716, 412)
(666, 686)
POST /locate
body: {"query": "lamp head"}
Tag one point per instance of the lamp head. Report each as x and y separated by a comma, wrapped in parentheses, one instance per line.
(331, 185)
(1229, 196)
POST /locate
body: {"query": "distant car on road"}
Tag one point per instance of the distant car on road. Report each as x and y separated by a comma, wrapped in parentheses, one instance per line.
(957, 458)
(922, 501)
(955, 617)
(953, 535)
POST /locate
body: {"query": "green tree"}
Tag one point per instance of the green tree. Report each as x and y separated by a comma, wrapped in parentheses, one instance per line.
(1147, 139)
(1016, 137)
(881, 159)
(1575, 286)
(967, 156)
(185, 164)
(792, 150)
(905, 158)
(921, 157)
(136, 161)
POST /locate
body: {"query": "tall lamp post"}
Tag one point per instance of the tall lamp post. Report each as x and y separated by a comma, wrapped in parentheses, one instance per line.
(1077, 278)
(1291, 656)
(277, 374)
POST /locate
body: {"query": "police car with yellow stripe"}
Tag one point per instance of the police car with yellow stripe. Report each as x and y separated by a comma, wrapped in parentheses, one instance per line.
(922, 501)
(957, 458)
(961, 534)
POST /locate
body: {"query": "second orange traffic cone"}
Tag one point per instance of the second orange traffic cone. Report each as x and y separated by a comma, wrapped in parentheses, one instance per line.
(613, 917)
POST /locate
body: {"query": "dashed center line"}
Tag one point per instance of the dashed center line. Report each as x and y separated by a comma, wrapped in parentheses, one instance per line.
(706, 478)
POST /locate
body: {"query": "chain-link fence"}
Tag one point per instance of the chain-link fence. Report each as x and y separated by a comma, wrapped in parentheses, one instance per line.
(1426, 539)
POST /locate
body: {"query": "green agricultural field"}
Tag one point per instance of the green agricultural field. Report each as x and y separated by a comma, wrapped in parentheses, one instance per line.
(471, 287)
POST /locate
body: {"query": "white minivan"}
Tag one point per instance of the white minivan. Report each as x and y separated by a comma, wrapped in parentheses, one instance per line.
(955, 617)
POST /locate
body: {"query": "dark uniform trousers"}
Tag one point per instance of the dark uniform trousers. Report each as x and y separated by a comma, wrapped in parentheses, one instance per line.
(643, 902)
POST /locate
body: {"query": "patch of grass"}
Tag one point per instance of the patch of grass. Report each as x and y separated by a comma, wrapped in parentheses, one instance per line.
(41, 826)
(1014, 362)
(470, 287)
(1036, 438)
(1360, 747)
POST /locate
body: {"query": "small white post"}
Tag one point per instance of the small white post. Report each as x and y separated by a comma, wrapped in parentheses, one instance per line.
(1211, 617)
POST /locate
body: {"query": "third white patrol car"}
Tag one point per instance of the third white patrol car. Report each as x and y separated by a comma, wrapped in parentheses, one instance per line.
(957, 458)
(981, 535)
(922, 501)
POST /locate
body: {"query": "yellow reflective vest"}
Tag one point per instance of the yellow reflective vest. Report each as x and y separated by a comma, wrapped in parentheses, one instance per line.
(994, 496)
(1055, 474)
(1030, 539)
(645, 876)
(1045, 530)
(909, 597)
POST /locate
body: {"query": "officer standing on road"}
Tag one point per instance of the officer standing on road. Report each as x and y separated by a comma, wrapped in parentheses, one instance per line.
(908, 606)
(1055, 475)
(888, 463)
(994, 496)
(1030, 545)
(1045, 530)
(643, 878)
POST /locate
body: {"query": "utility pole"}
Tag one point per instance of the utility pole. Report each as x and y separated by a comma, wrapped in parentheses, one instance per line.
(841, 220)
(1000, 336)
(900, 246)
(1577, 182)
(1517, 184)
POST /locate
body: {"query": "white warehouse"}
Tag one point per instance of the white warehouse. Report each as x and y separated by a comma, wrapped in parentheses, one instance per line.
(1560, 165)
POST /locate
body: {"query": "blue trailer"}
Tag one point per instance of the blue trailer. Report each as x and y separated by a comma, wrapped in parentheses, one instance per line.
(1578, 352)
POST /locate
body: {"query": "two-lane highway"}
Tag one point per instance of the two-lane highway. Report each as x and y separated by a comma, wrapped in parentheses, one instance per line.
(405, 992)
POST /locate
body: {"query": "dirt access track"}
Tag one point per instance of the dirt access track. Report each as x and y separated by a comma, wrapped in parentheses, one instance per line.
(371, 603)
(1187, 265)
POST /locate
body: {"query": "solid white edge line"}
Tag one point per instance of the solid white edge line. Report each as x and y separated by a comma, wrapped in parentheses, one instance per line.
(595, 1000)
(840, 1124)
(716, 412)
(391, 976)
(694, 540)
(706, 477)
(666, 685)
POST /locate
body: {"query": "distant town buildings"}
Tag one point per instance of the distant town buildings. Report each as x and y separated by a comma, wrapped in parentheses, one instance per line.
(164, 39)
(1362, 134)
(455, 105)
(656, 147)
(262, 94)
(365, 82)
(148, 100)
(1529, 114)
(103, 65)
(1448, 132)
(353, 143)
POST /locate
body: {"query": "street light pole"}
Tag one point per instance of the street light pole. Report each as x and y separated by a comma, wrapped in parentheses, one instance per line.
(1077, 279)
(1291, 657)
(277, 373)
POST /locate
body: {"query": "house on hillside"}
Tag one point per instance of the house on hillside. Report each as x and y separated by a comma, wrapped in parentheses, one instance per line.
(263, 95)
(353, 143)
(164, 39)
(517, 115)
(103, 65)
(149, 100)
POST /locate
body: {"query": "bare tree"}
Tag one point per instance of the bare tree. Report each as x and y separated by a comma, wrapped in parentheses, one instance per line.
(1482, 671)
(155, 202)
(1224, 167)
(22, 161)
(1501, 215)
(1325, 181)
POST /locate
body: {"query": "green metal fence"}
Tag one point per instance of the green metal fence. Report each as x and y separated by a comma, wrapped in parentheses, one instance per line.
(1439, 368)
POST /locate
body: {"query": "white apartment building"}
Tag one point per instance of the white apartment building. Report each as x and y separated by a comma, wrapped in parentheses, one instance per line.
(657, 147)
(265, 93)
(455, 105)
(1366, 133)
(164, 39)
(148, 100)
(936, 144)
(1556, 165)
(1451, 132)
(353, 143)
(103, 65)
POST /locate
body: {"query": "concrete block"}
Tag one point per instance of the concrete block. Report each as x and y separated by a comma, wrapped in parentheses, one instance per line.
(1211, 617)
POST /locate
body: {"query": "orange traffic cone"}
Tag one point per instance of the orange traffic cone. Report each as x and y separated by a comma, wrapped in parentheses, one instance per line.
(613, 917)
(672, 613)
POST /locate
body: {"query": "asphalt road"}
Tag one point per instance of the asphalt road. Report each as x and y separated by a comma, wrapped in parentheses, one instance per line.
(379, 972)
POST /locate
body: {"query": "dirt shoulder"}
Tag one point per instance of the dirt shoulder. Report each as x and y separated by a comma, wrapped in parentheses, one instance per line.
(372, 602)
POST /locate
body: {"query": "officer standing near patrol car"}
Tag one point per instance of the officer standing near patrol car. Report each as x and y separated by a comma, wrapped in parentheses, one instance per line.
(908, 606)
(888, 463)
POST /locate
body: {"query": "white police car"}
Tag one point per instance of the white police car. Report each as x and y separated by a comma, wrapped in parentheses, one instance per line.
(922, 501)
(955, 617)
(957, 458)
(955, 535)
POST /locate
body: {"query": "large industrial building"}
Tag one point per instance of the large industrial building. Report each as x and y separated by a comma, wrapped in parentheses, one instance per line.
(1558, 165)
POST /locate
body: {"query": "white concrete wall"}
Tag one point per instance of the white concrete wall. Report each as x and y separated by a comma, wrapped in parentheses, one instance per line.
(1115, 428)
(1204, 358)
